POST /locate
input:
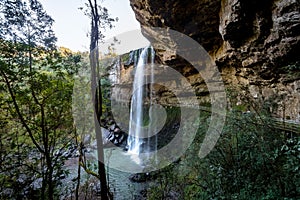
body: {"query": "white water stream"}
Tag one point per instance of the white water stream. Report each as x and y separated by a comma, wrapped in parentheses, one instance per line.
(139, 137)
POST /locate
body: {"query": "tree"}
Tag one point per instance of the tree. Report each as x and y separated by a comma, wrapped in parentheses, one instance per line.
(36, 83)
(99, 19)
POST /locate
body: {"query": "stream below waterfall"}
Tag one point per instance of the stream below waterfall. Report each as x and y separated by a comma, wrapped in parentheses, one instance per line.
(122, 187)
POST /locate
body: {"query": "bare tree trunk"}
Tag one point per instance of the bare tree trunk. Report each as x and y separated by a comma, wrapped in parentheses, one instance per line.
(78, 169)
(97, 96)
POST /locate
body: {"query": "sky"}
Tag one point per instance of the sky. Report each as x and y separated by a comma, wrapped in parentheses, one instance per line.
(71, 25)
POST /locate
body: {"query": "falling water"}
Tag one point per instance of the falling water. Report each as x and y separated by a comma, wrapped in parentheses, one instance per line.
(135, 140)
(151, 129)
(152, 97)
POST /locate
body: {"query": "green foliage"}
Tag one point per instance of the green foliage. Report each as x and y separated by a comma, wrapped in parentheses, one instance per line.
(41, 100)
(125, 57)
(104, 20)
(252, 160)
(26, 22)
(106, 95)
(248, 161)
(36, 86)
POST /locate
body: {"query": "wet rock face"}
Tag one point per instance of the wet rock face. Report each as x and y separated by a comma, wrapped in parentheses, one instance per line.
(252, 42)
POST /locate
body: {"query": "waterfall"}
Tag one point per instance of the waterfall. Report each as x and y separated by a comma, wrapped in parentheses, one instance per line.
(137, 138)
(151, 130)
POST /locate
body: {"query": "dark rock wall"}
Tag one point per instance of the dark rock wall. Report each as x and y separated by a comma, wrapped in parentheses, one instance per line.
(255, 44)
(197, 19)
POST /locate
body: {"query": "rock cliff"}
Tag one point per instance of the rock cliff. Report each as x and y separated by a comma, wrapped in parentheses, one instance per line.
(255, 44)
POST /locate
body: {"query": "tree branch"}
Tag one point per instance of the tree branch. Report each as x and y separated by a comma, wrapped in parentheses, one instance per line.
(20, 114)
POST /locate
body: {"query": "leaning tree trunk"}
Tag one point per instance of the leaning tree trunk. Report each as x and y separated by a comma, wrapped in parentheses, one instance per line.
(96, 95)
